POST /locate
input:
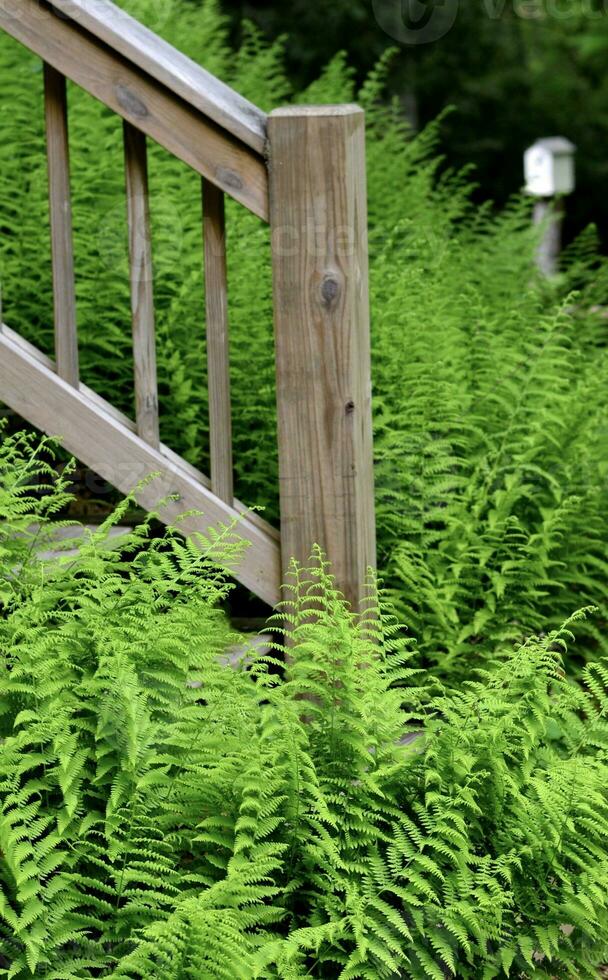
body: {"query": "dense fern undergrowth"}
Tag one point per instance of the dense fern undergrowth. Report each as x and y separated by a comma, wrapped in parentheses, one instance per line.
(491, 421)
(165, 817)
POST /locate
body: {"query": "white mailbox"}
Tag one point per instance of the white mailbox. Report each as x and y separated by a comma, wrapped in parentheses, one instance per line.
(549, 167)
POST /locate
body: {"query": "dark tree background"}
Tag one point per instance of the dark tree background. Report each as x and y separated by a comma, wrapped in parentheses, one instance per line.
(512, 71)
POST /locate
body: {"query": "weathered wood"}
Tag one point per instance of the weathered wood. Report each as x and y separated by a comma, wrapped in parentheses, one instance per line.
(142, 100)
(319, 236)
(218, 343)
(142, 285)
(319, 239)
(60, 214)
(166, 64)
(32, 389)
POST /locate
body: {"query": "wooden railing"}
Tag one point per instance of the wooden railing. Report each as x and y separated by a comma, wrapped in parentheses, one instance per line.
(302, 169)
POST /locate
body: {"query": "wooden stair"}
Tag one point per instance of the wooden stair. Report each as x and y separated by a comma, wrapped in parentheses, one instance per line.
(302, 169)
(104, 439)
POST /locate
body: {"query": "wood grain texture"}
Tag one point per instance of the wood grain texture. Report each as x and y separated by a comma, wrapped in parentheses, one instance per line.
(29, 385)
(142, 285)
(166, 64)
(60, 215)
(218, 343)
(142, 100)
(319, 241)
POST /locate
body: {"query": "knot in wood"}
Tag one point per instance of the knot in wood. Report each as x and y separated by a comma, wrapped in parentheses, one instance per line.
(330, 289)
(228, 178)
(131, 102)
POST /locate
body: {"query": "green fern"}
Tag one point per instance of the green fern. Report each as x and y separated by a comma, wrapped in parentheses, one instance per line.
(162, 816)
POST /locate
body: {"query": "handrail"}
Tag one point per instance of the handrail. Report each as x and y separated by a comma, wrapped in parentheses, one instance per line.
(158, 91)
(303, 170)
(166, 64)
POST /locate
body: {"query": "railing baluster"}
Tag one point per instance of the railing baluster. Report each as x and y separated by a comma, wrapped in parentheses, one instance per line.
(142, 291)
(218, 343)
(60, 212)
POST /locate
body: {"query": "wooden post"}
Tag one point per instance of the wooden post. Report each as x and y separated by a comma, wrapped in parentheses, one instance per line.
(60, 216)
(318, 215)
(550, 212)
(142, 286)
(218, 343)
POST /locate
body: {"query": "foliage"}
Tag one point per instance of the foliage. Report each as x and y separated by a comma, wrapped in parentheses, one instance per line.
(28, 484)
(489, 407)
(162, 816)
(490, 440)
